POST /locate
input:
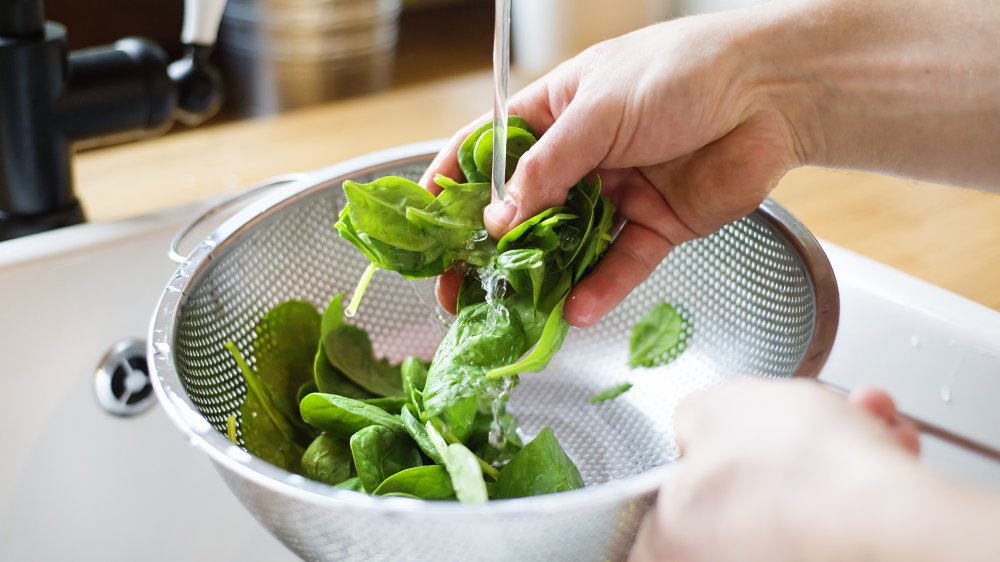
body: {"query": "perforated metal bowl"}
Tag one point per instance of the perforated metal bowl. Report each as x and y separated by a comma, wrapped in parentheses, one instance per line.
(760, 295)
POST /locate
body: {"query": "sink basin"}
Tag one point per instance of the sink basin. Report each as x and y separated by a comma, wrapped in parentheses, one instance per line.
(79, 483)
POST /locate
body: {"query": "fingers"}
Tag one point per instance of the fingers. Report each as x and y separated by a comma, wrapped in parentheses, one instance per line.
(571, 148)
(878, 403)
(447, 287)
(727, 179)
(446, 161)
(634, 254)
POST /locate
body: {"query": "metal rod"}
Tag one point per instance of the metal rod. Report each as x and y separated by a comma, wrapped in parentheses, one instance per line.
(937, 431)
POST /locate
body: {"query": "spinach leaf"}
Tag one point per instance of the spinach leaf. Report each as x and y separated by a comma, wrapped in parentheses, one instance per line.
(658, 338)
(422, 482)
(380, 452)
(267, 439)
(267, 432)
(541, 467)
(349, 351)
(379, 209)
(284, 344)
(510, 302)
(411, 264)
(414, 374)
(518, 142)
(481, 338)
(551, 340)
(387, 403)
(467, 151)
(353, 483)
(463, 467)
(327, 459)
(611, 393)
(466, 474)
(331, 381)
(600, 238)
(343, 416)
(523, 268)
(307, 388)
(494, 437)
(419, 434)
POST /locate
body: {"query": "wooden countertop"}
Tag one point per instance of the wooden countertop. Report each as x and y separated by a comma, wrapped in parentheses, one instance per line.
(949, 237)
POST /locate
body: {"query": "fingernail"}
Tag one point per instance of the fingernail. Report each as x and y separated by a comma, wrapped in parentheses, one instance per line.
(500, 214)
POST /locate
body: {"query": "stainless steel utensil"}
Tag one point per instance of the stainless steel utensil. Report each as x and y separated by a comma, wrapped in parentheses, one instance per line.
(760, 295)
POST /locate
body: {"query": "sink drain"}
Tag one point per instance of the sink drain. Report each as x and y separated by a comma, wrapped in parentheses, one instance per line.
(122, 381)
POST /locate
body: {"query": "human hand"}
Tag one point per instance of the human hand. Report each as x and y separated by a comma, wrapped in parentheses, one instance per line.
(692, 122)
(787, 470)
(669, 118)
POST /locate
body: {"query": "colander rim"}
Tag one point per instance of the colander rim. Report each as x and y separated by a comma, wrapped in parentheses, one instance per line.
(202, 435)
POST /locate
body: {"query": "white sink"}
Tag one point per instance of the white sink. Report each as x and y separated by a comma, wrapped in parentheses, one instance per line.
(79, 484)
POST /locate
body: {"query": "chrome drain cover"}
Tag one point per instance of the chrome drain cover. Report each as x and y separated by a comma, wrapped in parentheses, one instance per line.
(121, 383)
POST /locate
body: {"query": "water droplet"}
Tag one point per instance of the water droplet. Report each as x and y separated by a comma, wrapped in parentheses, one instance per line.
(161, 347)
(915, 341)
(946, 394)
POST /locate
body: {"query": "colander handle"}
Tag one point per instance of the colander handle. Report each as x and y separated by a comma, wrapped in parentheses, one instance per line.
(174, 253)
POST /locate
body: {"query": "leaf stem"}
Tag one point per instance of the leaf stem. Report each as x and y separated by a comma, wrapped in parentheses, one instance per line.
(487, 467)
(366, 277)
(256, 386)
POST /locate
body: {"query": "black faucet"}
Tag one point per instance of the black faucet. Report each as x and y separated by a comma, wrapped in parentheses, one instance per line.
(52, 101)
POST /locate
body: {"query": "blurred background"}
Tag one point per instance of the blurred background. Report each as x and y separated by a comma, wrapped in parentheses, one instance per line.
(278, 55)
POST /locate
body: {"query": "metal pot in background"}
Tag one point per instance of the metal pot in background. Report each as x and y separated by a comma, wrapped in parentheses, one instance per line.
(283, 54)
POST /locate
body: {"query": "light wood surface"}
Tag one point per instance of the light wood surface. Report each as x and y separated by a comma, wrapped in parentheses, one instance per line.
(947, 236)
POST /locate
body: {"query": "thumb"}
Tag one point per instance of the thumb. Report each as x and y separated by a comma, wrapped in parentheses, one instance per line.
(574, 146)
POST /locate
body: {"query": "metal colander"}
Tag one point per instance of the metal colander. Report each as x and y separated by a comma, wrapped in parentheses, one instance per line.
(760, 296)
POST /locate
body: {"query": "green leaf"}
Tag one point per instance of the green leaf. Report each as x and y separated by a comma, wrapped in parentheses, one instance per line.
(599, 239)
(512, 240)
(463, 467)
(658, 338)
(349, 351)
(467, 151)
(267, 432)
(263, 437)
(419, 434)
(344, 416)
(414, 375)
(380, 452)
(284, 346)
(327, 459)
(541, 467)
(423, 482)
(353, 483)
(466, 474)
(331, 381)
(379, 210)
(611, 393)
(387, 403)
(411, 264)
(481, 338)
(518, 142)
(538, 358)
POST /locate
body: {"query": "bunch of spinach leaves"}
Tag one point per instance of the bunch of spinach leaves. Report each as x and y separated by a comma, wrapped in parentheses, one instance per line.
(322, 405)
(510, 303)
